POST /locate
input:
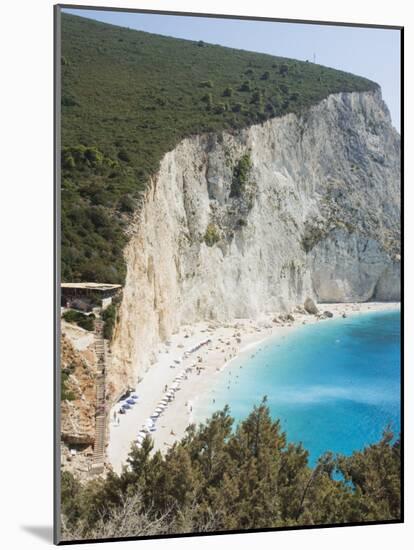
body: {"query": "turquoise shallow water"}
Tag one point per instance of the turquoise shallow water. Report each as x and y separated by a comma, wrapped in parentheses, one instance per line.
(334, 385)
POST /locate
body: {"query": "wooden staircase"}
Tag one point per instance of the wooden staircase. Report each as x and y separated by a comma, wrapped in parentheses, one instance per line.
(98, 461)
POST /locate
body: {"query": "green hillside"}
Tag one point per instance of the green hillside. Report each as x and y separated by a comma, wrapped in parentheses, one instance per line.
(128, 97)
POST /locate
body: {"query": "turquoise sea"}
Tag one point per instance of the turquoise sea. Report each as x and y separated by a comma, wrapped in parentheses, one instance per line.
(334, 385)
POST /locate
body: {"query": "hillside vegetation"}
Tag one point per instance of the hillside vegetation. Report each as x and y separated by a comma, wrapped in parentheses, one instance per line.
(128, 97)
(222, 478)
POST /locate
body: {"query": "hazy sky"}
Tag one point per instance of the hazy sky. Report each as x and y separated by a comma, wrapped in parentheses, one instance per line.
(373, 53)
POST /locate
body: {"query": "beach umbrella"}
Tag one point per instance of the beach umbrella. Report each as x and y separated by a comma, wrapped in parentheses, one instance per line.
(134, 396)
(155, 414)
(158, 409)
(131, 402)
(126, 406)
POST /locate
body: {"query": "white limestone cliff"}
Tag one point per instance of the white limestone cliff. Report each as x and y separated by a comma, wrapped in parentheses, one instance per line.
(318, 216)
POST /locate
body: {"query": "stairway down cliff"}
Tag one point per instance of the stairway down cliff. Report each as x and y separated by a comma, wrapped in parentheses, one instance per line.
(240, 223)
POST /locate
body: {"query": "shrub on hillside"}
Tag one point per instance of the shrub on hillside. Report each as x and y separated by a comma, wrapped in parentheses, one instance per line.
(245, 87)
(86, 322)
(109, 318)
(212, 235)
(241, 173)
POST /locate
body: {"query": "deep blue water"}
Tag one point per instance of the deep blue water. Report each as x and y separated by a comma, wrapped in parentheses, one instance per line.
(334, 385)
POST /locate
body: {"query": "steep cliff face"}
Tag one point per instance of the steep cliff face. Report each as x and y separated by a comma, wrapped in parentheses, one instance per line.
(78, 373)
(239, 224)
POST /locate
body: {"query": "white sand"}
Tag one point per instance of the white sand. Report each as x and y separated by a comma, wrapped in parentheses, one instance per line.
(227, 342)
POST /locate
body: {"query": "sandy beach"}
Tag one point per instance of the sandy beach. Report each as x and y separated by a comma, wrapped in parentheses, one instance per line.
(194, 373)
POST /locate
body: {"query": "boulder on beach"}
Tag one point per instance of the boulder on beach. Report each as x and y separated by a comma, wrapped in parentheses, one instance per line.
(310, 306)
(285, 317)
(325, 315)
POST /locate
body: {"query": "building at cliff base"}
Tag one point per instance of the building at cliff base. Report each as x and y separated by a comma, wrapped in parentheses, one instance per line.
(86, 296)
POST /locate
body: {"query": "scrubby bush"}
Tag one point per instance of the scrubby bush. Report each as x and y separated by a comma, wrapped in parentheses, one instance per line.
(109, 318)
(68, 101)
(237, 107)
(208, 100)
(220, 108)
(245, 87)
(66, 394)
(212, 235)
(283, 69)
(256, 97)
(241, 173)
(123, 155)
(126, 204)
(86, 322)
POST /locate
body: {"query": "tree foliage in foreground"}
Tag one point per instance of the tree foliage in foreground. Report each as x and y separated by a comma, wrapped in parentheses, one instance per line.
(220, 478)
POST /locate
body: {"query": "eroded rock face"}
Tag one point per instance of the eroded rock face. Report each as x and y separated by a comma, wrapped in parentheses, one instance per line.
(314, 212)
(78, 412)
(350, 267)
